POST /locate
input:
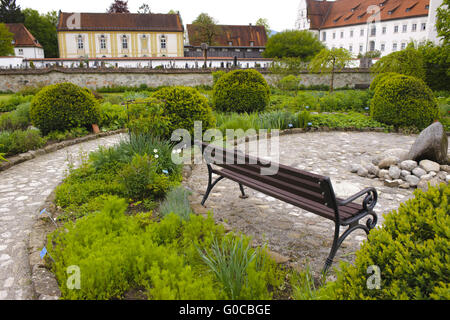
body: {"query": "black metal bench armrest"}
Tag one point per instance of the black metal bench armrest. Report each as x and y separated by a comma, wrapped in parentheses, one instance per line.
(369, 201)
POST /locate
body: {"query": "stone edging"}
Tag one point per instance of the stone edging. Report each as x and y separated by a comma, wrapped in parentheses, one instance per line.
(18, 159)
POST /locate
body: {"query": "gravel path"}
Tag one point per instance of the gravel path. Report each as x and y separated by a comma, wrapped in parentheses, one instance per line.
(298, 236)
(23, 190)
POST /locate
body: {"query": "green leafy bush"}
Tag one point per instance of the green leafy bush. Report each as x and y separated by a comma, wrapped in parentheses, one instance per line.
(19, 119)
(411, 251)
(177, 202)
(382, 77)
(141, 180)
(148, 118)
(408, 62)
(183, 106)
(113, 116)
(289, 83)
(57, 136)
(404, 101)
(217, 75)
(437, 65)
(18, 141)
(241, 91)
(344, 121)
(12, 103)
(64, 106)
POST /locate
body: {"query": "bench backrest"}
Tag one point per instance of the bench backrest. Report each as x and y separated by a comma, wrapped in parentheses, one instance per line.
(304, 185)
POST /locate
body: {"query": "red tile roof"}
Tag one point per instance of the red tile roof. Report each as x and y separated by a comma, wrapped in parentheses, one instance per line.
(22, 37)
(339, 13)
(123, 22)
(239, 36)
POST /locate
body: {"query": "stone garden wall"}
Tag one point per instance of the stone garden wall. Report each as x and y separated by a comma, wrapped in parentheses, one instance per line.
(14, 80)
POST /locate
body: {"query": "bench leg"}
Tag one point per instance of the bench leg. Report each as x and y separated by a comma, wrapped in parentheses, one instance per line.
(243, 196)
(338, 240)
(211, 184)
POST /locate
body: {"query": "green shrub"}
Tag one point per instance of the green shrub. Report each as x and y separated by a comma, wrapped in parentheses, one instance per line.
(148, 118)
(64, 106)
(141, 180)
(408, 62)
(382, 77)
(57, 136)
(437, 65)
(183, 106)
(18, 119)
(289, 83)
(404, 101)
(132, 253)
(411, 251)
(241, 91)
(12, 103)
(18, 141)
(217, 75)
(177, 202)
(344, 121)
(112, 116)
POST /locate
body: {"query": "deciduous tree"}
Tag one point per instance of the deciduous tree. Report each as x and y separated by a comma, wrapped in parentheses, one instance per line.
(206, 29)
(6, 38)
(443, 21)
(43, 28)
(265, 23)
(329, 61)
(301, 44)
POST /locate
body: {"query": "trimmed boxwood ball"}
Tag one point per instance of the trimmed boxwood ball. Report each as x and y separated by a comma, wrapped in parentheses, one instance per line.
(183, 106)
(404, 101)
(241, 91)
(63, 106)
(382, 77)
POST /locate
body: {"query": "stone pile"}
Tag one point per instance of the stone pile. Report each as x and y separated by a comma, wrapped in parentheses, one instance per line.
(404, 173)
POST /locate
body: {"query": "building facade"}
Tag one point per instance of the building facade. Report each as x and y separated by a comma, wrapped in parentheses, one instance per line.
(362, 26)
(231, 41)
(115, 35)
(25, 44)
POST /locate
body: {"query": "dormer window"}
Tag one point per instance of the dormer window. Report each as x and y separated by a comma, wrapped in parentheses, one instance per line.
(252, 43)
(356, 7)
(410, 7)
(230, 43)
(393, 10)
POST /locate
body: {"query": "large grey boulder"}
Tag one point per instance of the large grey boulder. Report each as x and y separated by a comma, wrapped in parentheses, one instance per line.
(432, 144)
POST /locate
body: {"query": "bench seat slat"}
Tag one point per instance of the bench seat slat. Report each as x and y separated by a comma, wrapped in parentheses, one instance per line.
(283, 195)
(294, 187)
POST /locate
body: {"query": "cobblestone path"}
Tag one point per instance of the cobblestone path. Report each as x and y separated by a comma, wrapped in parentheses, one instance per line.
(302, 237)
(23, 190)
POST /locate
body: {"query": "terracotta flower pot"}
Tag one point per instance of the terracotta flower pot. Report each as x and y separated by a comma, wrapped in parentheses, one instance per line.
(95, 128)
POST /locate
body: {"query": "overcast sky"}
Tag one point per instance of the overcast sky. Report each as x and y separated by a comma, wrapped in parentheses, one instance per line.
(281, 14)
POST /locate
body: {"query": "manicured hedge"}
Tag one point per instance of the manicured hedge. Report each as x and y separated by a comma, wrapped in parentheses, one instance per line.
(404, 101)
(64, 106)
(183, 106)
(241, 91)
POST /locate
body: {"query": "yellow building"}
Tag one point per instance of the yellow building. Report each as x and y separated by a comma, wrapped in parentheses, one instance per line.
(113, 35)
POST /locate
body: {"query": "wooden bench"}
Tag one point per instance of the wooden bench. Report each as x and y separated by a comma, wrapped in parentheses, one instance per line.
(308, 191)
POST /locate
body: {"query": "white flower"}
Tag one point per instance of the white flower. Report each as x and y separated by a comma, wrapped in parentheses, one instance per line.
(155, 151)
(156, 157)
